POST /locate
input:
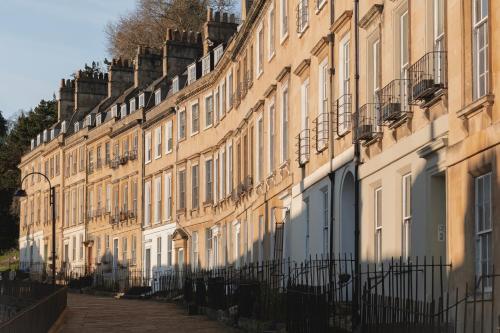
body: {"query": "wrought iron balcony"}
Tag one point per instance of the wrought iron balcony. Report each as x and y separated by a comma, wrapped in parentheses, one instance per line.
(322, 129)
(132, 155)
(427, 76)
(302, 15)
(303, 147)
(393, 100)
(343, 106)
(365, 122)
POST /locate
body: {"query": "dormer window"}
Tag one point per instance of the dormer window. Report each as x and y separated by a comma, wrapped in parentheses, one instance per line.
(175, 84)
(123, 110)
(38, 139)
(114, 111)
(191, 73)
(158, 96)
(218, 53)
(52, 133)
(32, 144)
(45, 135)
(205, 65)
(64, 126)
(98, 119)
(132, 105)
(76, 127)
(141, 100)
(88, 121)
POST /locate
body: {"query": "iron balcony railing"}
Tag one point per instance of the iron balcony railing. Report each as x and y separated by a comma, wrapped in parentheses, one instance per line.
(303, 147)
(132, 155)
(343, 106)
(393, 100)
(366, 122)
(302, 15)
(322, 129)
(427, 76)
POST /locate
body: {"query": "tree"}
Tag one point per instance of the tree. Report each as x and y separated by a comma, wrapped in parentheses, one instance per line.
(147, 25)
(13, 144)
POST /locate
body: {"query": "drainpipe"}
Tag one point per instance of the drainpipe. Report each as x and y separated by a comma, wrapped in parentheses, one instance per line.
(357, 286)
(331, 175)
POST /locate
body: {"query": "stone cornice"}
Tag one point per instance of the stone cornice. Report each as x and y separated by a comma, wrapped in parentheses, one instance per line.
(302, 66)
(370, 16)
(341, 21)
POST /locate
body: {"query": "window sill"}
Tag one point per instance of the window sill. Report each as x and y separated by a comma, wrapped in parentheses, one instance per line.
(342, 133)
(259, 74)
(209, 126)
(283, 38)
(194, 133)
(271, 56)
(478, 105)
(157, 157)
(320, 7)
(376, 138)
(303, 31)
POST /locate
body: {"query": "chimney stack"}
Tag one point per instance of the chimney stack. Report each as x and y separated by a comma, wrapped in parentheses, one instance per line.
(148, 66)
(181, 49)
(66, 101)
(90, 89)
(121, 76)
(218, 29)
(245, 8)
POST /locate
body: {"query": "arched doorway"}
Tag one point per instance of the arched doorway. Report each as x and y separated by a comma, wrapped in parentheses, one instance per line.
(347, 245)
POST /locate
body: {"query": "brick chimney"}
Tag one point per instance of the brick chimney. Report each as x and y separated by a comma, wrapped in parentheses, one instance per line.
(66, 101)
(218, 28)
(90, 89)
(121, 76)
(148, 66)
(181, 49)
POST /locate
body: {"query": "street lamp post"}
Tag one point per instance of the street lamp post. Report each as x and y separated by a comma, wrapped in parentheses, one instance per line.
(22, 193)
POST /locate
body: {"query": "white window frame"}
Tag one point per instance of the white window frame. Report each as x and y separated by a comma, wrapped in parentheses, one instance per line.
(175, 84)
(157, 96)
(181, 192)
(123, 110)
(195, 250)
(323, 103)
(271, 135)
(218, 52)
(478, 26)
(147, 203)
(169, 137)
(181, 127)
(259, 147)
(483, 233)
(195, 186)
(271, 32)
(326, 221)
(229, 168)
(302, 16)
(167, 212)
(259, 61)
(191, 73)
(406, 215)
(284, 20)
(158, 201)
(209, 180)
(147, 148)
(285, 123)
(195, 105)
(230, 90)
(304, 111)
(208, 123)
(131, 103)
(344, 83)
(158, 142)
(205, 65)
(378, 225)
(141, 100)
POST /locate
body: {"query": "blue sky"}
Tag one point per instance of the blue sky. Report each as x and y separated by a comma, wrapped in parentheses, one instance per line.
(42, 41)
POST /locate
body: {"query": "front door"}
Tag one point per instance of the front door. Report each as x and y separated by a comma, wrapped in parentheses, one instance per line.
(147, 266)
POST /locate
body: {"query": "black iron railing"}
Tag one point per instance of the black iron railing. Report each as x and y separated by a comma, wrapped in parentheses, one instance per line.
(322, 129)
(303, 147)
(343, 114)
(427, 76)
(393, 100)
(366, 122)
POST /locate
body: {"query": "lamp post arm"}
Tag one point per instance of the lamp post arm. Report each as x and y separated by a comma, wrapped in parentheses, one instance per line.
(36, 173)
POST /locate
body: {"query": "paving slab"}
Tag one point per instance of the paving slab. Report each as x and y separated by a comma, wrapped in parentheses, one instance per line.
(87, 313)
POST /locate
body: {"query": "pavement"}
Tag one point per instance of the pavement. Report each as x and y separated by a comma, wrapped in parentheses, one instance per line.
(87, 313)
